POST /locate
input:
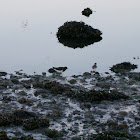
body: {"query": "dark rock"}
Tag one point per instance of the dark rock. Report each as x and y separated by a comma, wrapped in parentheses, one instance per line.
(31, 124)
(123, 67)
(23, 114)
(60, 68)
(85, 96)
(53, 133)
(77, 34)
(22, 93)
(3, 73)
(87, 12)
(134, 75)
(113, 125)
(87, 74)
(103, 85)
(110, 135)
(35, 123)
(7, 98)
(22, 100)
(3, 135)
(25, 101)
(72, 81)
(57, 69)
(15, 81)
(51, 70)
(44, 73)
(24, 138)
(94, 95)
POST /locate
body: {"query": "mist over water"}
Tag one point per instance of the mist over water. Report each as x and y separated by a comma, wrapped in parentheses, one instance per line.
(28, 34)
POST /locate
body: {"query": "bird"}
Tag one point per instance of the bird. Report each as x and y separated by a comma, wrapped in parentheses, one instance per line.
(94, 66)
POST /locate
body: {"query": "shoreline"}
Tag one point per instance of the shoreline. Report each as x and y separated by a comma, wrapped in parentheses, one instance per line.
(77, 107)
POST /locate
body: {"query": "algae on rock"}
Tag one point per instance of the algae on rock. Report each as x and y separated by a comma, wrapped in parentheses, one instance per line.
(77, 34)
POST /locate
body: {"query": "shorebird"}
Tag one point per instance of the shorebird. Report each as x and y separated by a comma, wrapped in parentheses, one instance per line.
(94, 66)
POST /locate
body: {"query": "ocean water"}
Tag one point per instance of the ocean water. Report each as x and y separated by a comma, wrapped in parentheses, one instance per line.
(28, 34)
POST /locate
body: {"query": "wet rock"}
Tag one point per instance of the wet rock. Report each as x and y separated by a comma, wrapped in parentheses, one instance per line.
(123, 67)
(4, 83)
(3, 74)
(28, 120)
(103, 85)
(113, 125)
(134, 75)
(22, 100)
(53, 133)
(23, 114)
(43, 93)
(110, 135)
(35, 123)
(85, 96)
(87, 74)
(25, 101)
(28, 86)
(55, 114)
(7, 98)
(3, 135)
(87, 12)
(57, 69)
(137, 118)
(123, 113)
(72, 81)
(44, 73)
(77, 34)
(24, 138)
(94, 95)
(60, 68)
(51, 70)
(22, 93)
(15, 81)
(76, 76)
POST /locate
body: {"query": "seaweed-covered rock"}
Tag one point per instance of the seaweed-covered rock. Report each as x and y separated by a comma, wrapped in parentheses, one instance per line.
(23, 114)
(87, 12)
(28, 120)
(77, 34)
(15, 118)
(123, 67)
(35, 123)
(93, 95)
(85, 96)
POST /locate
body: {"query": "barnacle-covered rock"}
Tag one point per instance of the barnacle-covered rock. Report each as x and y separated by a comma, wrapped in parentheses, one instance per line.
(77, 34)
